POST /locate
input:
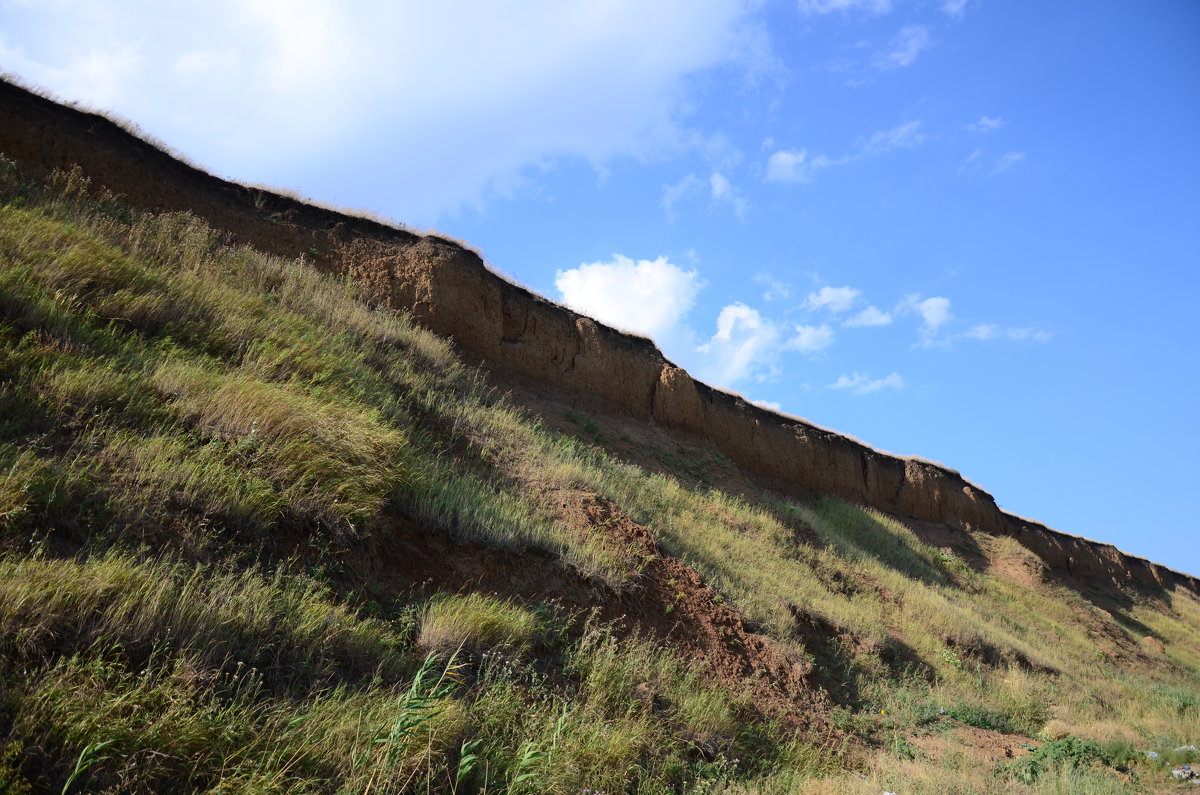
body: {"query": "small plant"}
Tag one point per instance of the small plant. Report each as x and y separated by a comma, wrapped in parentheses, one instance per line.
(88, 757)
(1069, 750)
(980, 717)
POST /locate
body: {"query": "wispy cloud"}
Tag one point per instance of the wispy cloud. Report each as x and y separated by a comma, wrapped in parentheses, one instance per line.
(903, 136)
(991, 331)
(795, 165)
(871, 316)
(954, 8)
(1007, 161)
(690, 188)
(835, 299)
(904, 48)
(827, 6)
(723, 192)
(672, 195)
(776, 290)
(986, 124)
(863, 384)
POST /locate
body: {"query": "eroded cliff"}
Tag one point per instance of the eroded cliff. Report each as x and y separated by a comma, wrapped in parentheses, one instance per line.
(449, 289)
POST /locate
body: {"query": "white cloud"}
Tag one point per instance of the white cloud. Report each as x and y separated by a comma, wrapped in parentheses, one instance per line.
(904, 47)
(934, 312)
(389, 97)
(769, 404)
(903, 136)
(811, 339)
(826, 6)
(1007, 161)
(1028, 335)
(954, 8)
(746, 344)
(796, 166)
(984, 331)
(871, 316)
(987, 124)
(776, 290)
(990, 331)
(862, 384)
(724, 192)
(835, 299)
(648, 297)
(720, 186)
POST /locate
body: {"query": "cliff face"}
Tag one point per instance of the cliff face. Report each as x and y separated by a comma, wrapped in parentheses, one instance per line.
(448, 289)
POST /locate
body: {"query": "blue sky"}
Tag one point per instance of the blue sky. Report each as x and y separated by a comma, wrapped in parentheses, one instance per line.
(966, 230)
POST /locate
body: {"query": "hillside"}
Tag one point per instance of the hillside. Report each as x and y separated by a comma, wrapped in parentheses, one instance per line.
(292, 500)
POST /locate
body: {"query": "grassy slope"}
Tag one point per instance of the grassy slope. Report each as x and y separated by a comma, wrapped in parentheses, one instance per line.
(192, 438)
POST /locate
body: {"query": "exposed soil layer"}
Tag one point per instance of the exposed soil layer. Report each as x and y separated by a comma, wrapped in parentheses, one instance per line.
(661, 598)
(448, 289)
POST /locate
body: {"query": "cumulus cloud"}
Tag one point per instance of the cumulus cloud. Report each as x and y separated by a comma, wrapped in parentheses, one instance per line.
(835, 299)
(811, 339)
(863, 384)
(871, 316)
(649, 297)
(904, 47)
(385, 96)
(746, 344)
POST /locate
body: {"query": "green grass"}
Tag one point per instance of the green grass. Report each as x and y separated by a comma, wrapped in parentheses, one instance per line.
(193, 436)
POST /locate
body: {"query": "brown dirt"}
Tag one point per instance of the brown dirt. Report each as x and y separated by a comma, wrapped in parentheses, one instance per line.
(979, 747)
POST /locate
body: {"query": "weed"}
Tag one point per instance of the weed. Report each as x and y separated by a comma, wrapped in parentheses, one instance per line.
(1066, 751)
